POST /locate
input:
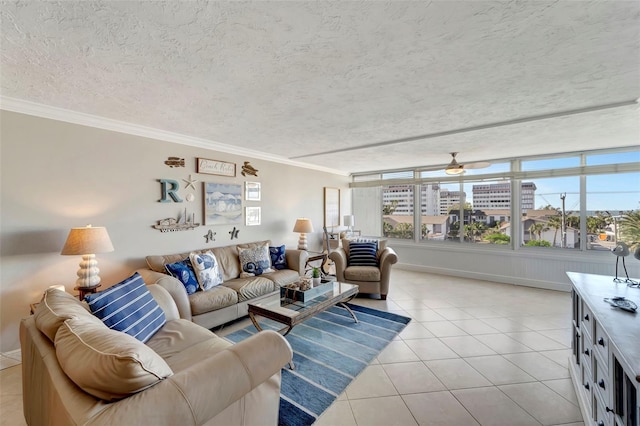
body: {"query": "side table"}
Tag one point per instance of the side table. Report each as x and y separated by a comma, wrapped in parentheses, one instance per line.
(83, 291)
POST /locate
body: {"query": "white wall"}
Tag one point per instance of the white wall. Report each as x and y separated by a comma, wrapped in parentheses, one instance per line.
(57, 175)
(530, 266)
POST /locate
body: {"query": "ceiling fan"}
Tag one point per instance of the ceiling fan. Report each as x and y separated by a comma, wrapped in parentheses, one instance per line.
(455, 168)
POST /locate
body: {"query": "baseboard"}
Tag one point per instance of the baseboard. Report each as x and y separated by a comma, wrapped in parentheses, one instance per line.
(547, 285)
(15, 354)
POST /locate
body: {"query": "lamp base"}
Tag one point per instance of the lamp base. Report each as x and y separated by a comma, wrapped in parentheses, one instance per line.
(302, 242)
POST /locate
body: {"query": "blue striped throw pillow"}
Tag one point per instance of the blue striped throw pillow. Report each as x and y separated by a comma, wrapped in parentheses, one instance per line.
(128, 307)
(363, 254)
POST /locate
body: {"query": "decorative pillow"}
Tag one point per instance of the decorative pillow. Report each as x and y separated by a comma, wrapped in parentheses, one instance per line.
(363, 254)
(128, 307)
(207, 269)
(55, 308)
(278, 259)
(183, 271)
(255, 261)
(106, 363)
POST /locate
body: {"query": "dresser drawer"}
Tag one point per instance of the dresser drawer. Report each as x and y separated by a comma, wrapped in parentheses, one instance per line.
(586, 347)
(586, 385)
(600, 413)
(601, 381)
(586, 320)
(601, 344)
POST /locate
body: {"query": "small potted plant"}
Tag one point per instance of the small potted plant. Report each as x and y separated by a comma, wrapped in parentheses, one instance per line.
(316, 276)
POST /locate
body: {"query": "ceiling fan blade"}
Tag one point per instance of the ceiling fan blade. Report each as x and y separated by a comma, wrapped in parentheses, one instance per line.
(478, 165)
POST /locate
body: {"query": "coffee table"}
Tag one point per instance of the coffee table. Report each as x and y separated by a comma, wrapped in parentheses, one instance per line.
(291, 313)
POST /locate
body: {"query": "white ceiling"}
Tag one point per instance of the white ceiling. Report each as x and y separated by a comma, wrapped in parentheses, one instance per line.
(397, 84)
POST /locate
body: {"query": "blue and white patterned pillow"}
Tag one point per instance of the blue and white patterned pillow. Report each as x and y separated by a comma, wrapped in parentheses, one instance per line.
(363, 254)
(183, 271)
(207, 270)
(255, 261)
(278, 258)
(128, 307)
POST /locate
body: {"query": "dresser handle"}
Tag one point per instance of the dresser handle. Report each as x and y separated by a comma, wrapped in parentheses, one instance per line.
(609, 410)
(586, 317)
(601, 384)
(600, 423)
(601, 341)
(586, 352)
(586, 386)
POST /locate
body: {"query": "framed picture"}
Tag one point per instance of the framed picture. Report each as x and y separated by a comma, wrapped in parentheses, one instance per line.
(215, 167)
(252, 191)
(252, 216)
(331, 207)
(222, 203)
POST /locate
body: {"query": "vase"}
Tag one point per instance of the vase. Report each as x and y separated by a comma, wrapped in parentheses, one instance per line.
(316, 282)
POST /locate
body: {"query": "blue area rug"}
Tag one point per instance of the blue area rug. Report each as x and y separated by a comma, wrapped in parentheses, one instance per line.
(329, 351)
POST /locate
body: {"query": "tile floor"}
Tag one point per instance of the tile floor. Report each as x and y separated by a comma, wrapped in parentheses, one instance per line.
(476, 353)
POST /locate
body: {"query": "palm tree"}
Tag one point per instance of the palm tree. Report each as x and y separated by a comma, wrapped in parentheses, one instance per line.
(629, 226)
(389, 209)
(555, 223)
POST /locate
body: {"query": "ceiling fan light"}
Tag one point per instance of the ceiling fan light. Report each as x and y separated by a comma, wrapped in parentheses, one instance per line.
(454, 169)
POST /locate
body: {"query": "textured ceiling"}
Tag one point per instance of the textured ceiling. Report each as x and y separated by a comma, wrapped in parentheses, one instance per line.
(406, 82)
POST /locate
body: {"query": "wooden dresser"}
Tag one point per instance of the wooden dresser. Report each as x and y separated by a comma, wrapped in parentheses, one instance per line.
(605, 363)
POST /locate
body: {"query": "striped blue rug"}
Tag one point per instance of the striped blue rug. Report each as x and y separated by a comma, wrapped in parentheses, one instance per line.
(329, 351)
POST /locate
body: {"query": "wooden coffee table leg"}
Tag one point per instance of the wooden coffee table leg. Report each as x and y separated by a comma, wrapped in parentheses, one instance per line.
(344, 305)
(255, 323)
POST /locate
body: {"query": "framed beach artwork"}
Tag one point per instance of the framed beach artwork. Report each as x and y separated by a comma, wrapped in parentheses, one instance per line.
(252, 216)
(222, 203)
(252, 191)
(215, 167)
(331, 207)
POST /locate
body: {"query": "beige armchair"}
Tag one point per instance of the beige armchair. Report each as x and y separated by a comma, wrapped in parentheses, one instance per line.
(371, 279)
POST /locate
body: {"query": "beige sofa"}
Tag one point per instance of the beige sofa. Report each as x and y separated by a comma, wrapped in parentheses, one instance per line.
(370, 279)
(205, 381)
(229, 300)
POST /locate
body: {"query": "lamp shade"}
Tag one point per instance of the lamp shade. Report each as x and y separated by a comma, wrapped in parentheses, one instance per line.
(87, 240)
(349, 220)
(303, 225)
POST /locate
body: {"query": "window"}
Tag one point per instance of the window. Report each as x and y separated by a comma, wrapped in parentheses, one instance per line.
(437, 210)
(612, 210)
(397, 211)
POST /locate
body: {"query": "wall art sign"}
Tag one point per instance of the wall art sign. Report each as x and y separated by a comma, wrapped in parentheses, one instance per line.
(252, 216)
(222, 203)
(252, 191)
(215, 167)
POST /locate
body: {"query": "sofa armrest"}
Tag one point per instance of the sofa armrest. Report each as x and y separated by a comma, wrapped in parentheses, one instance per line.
(173, 286)
(202, 391)
(297, 259)
(339, 257)
(388, 257)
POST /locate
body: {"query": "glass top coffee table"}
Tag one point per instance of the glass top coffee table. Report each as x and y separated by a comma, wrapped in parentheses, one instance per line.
(291, 313)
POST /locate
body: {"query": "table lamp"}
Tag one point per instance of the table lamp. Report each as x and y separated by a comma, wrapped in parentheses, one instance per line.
(303, 226)
(86, 242)
(349, 221)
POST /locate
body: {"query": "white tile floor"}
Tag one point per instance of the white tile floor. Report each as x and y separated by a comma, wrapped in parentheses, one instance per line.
(476, 353)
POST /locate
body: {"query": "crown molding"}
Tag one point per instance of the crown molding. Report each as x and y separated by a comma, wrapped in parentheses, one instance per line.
(60, 114)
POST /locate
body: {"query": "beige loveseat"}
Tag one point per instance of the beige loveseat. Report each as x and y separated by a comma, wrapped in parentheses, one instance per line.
(229, 300)
(370, 279)
(196, 378)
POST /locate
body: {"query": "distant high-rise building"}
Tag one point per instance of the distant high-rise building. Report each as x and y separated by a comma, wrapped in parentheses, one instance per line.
(498, 196)
(449, 199)
(402, 197)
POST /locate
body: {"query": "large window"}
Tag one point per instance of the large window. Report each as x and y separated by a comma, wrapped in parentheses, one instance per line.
(579, 201)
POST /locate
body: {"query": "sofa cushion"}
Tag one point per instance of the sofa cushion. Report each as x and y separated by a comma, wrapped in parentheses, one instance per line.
(206, 269)
(181, 343)
(57, 306)
(211, 300)
(283, 276)
(128, 307)
(105, 363)
(183, 271)
(362, 273)
(363, 254)
(278, 258)
(255, 260)
(252, 287)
